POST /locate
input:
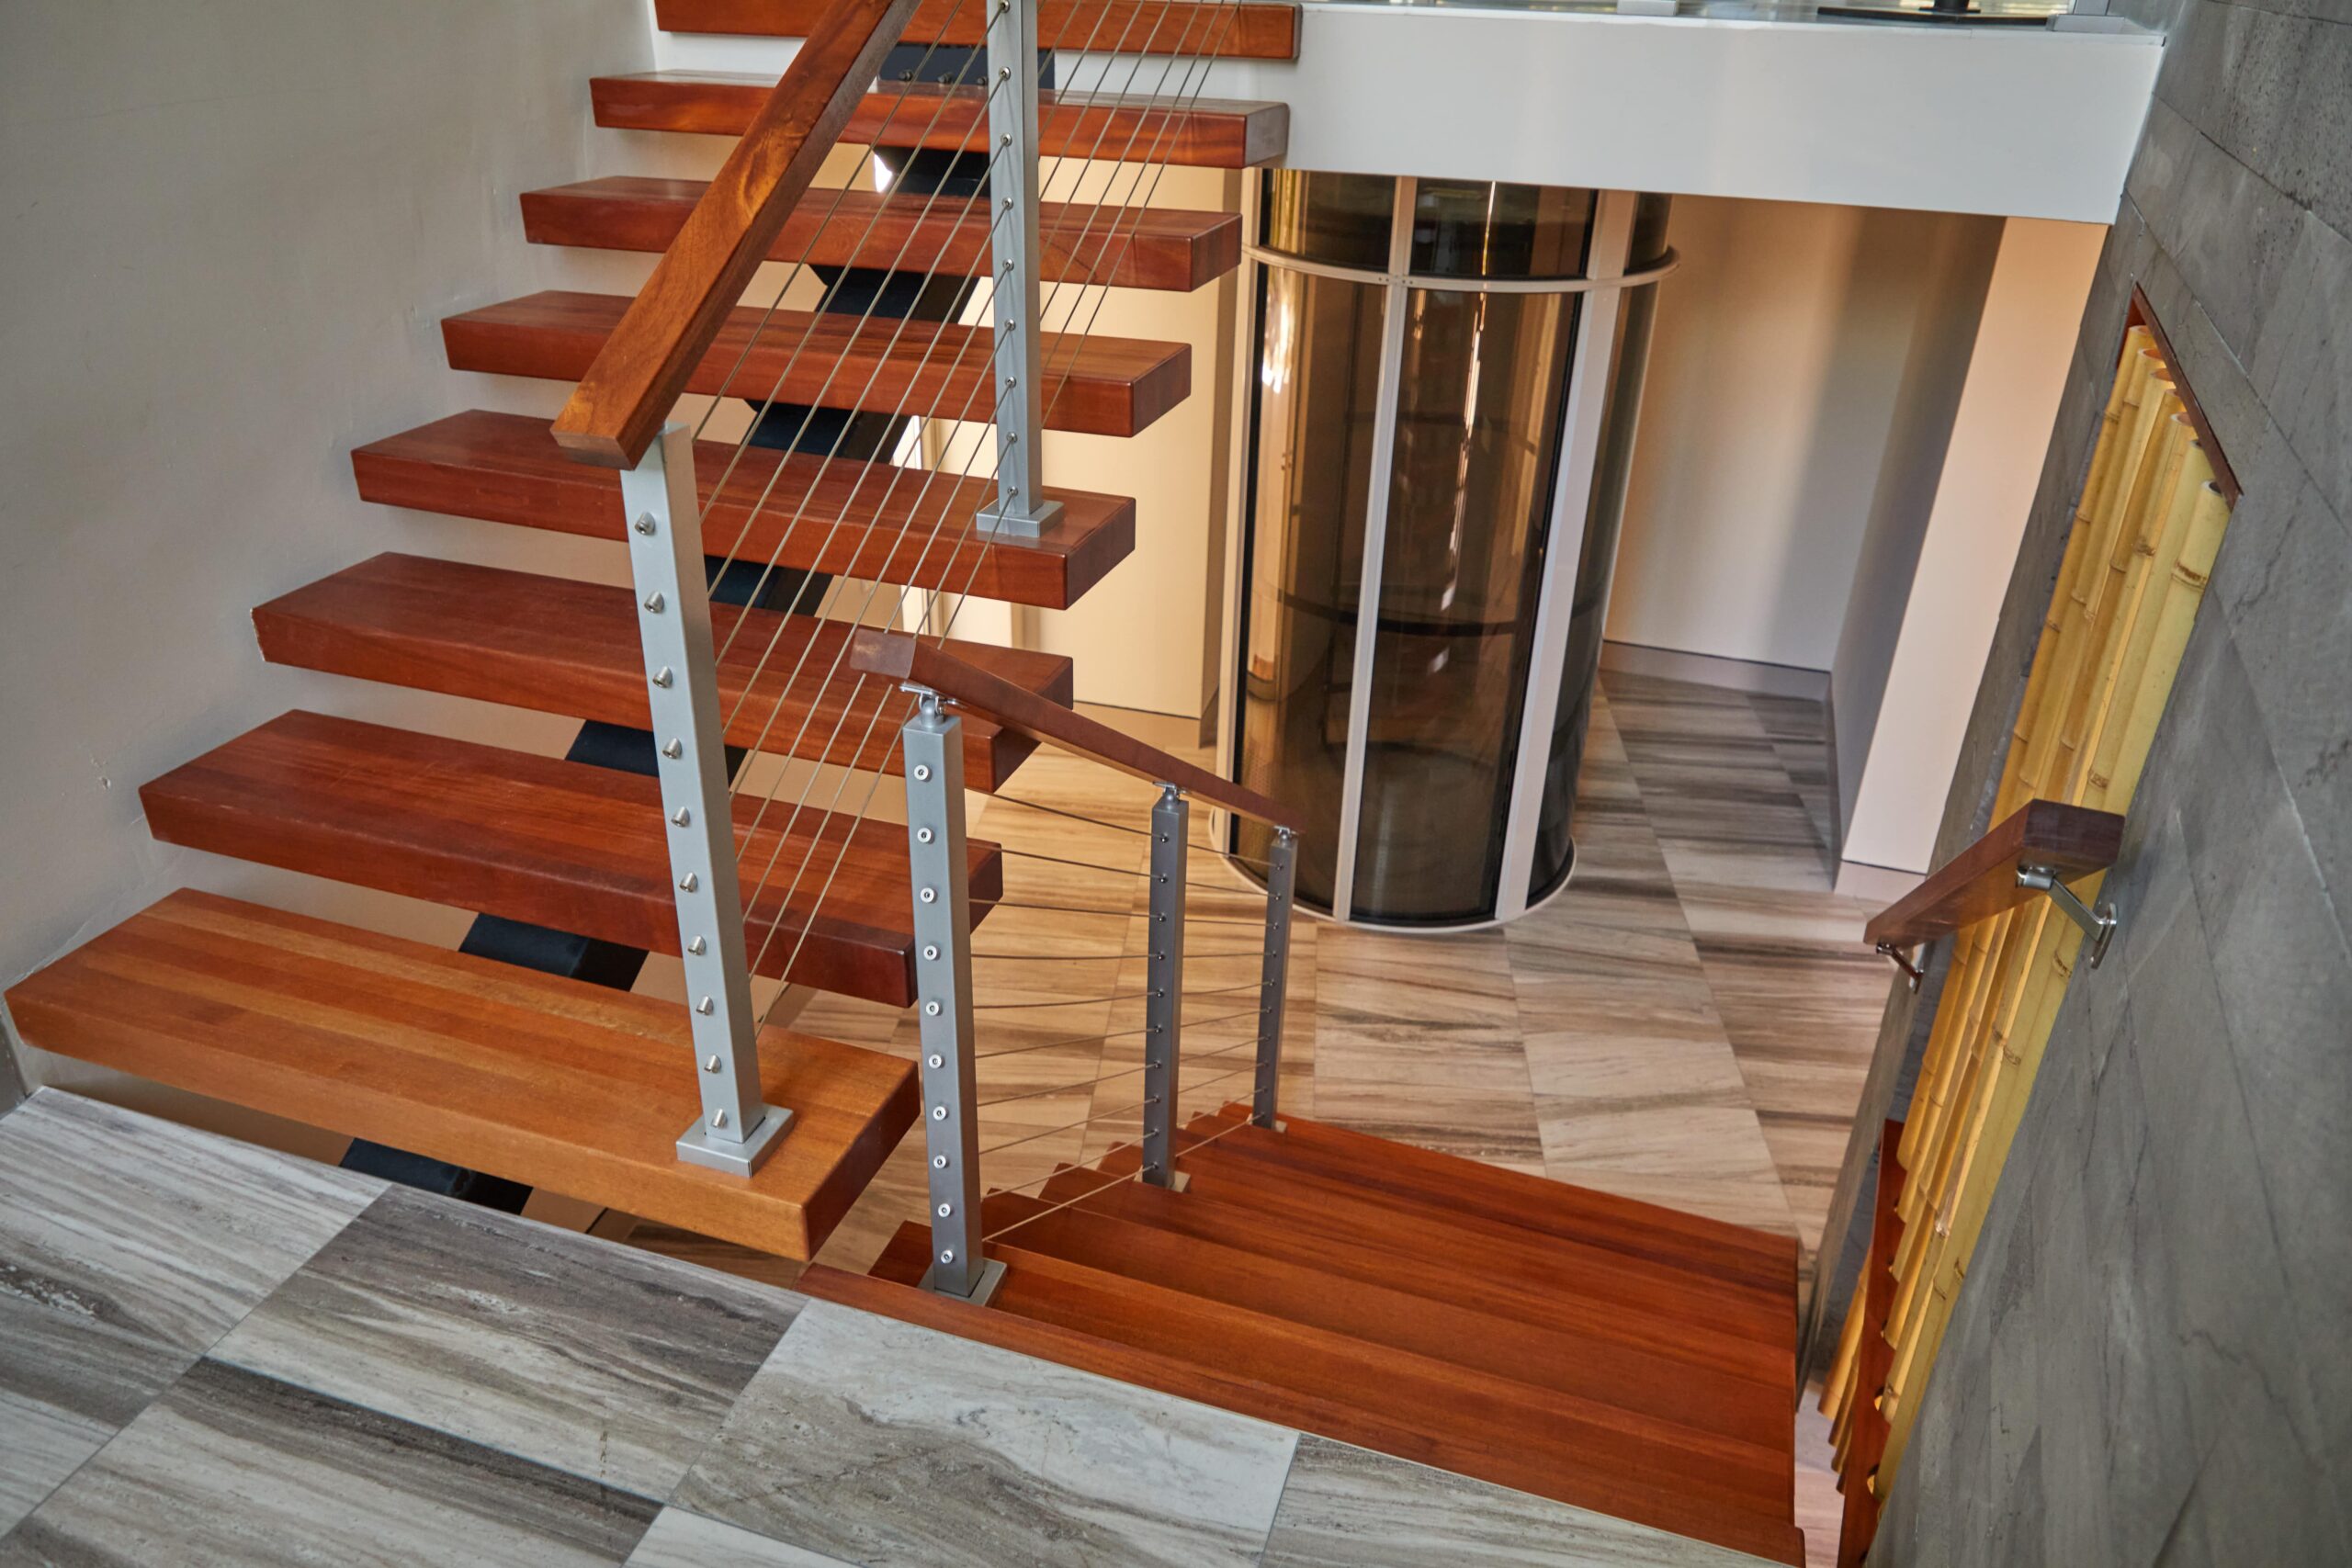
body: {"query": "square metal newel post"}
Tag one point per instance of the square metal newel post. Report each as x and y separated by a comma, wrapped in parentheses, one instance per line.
(1019, 510)
(1163, 1007)
(932, 745)
(737, 1129)
(1274, 978)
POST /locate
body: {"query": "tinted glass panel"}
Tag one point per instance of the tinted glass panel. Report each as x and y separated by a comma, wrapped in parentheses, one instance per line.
(1340, 218)
(1318, 383)
(1469, 228)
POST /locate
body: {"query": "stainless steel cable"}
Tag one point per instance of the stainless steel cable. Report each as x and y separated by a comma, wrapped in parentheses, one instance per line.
(1137, 1174)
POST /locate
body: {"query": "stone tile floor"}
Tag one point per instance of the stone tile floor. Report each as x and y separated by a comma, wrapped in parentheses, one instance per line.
(214, 1354)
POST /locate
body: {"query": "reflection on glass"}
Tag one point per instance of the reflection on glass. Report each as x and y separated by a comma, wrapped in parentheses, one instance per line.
(1629, 361)
(1340, 218)
(1477, 435)
(1317, 388)
(1650, 213)
(1471, 229)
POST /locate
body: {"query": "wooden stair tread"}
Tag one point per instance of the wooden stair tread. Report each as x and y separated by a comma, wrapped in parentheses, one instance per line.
(1098, 386)
(561, 646)
(1231, 1170)
(869, 521)
(1434, 1260)
(1131, 247)
(1390, 1400)
(1206, 134)
(1658, 1394)
(547, 1081)
(1720, 1250)
(555, 843)
(1242, 31)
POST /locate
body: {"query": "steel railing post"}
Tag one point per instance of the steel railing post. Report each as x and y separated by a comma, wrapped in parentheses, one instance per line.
(1273, 978)
(737, 1129)
(1019, 510)
(1163, 1038)
(932, 745)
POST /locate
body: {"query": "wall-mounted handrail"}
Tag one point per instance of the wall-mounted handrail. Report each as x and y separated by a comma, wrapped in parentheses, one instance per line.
(2068, 841)
(895, 656)
(619, 406)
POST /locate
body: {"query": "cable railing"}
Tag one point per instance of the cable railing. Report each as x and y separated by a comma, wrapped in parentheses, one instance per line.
(880, 395)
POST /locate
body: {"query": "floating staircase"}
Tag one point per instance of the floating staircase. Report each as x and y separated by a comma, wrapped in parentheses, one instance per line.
(1599, 1351)
(1606, 1353)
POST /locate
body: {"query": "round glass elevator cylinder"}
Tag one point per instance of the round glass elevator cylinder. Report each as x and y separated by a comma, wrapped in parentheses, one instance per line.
(1439, 431)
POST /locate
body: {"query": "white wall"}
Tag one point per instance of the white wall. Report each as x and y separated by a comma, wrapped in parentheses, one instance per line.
(232, 230)
(1774, 405)
(1916, 641)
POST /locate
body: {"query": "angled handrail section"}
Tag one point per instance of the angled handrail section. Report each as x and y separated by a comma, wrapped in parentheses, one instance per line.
(2067, 842)
(895, 656)
(619, 406)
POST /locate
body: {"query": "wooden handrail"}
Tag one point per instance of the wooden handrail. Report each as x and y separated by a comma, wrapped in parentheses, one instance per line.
(894, 656)
(621, 402)
(1982, 880)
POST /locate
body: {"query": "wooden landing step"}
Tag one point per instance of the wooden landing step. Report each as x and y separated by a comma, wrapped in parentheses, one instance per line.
(1244, 32)
(1628, 1370)
(1127, 247)
(554, 843)
(550, 1082)
(868, 521)
(1206, 134)
(1098, 386)
(561, 646)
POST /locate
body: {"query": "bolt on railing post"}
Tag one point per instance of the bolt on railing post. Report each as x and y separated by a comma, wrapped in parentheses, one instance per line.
(737, 1129)
(1273, 978)
(932, 745)
(1019, 510)
(1163, 1015)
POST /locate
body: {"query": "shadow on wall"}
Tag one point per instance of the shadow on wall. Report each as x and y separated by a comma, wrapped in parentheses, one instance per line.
(1796, 355)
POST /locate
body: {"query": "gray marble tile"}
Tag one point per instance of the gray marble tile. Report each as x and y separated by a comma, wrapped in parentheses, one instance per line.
(680, 1540)
(608, 1362)
(67, 1384)
(1346, 1508)
(876, 1441)
(153, 1227)
(232, 1468)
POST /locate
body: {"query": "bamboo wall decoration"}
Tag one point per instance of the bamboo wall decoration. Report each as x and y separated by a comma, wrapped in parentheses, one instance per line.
(2137, 558)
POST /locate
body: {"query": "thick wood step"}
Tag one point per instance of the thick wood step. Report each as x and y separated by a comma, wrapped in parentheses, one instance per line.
(562, 646)
(1241, 31)
(550, 1082)
(1206, 133)
(1452, 1263)
(1098, 385)
(554, 843)
(1393, 1400)
(1661, 1396)
(1348, 1213)
(1735, 1255)
(868, 521)
(1128, 247)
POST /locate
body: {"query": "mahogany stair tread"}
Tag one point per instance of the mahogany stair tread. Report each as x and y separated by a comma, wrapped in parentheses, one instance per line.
(1098, 384)
(1581, 1368)
(1446, 1260)
(548, 1081)
(872, 522)
(1203, 133)
(1130, 247)
(561, 646)
(1256, 29)
(1414, 1406)
(553, 844)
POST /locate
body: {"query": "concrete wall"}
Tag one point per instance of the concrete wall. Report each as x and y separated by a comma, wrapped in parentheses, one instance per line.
(2147, 1361)
(1801, 355)
(232, 230)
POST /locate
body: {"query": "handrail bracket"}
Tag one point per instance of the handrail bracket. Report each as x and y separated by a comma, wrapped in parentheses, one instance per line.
(1912, 971)
(2098, 924)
